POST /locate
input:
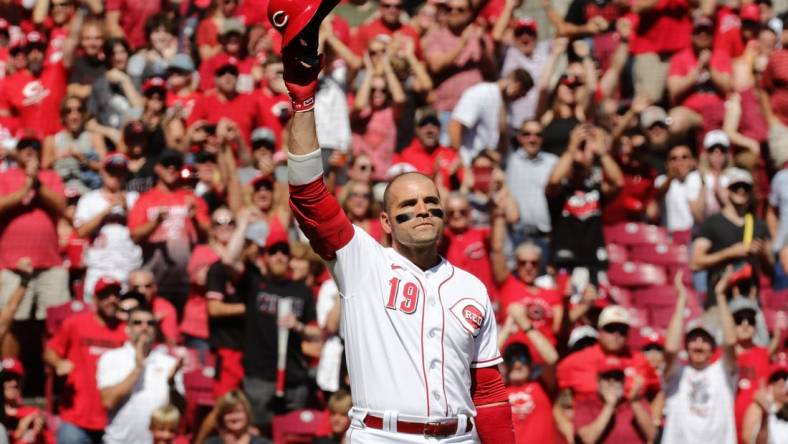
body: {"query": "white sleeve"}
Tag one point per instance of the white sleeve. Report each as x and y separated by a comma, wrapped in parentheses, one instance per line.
(693, 185)
(110, 370)
(86, 210)
(356, 262)
(467, 111)
(486, 353)
(326, 298)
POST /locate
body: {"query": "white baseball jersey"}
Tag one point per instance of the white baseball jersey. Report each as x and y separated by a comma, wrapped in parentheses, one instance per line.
(411, 335)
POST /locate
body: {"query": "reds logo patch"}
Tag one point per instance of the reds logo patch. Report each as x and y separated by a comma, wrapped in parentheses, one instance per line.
(470, 314)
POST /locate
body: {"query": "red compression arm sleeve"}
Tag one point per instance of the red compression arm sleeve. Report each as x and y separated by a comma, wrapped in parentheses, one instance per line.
(320, 218)
(493, 412)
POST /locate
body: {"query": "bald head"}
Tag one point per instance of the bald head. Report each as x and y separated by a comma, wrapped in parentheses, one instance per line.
(405, 183)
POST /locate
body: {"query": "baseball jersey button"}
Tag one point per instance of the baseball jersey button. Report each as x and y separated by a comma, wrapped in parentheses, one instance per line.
(434, 364)
(436, 395)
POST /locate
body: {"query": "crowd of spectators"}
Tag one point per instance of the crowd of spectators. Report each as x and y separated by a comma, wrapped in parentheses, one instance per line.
(615, 173)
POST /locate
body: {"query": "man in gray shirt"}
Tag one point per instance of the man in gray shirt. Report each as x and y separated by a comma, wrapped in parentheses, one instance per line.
(527, 171)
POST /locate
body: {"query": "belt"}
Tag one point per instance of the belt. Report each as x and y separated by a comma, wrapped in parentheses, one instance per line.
(445, 427)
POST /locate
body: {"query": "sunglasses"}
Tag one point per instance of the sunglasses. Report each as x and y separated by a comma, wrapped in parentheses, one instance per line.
(737, 187)
(521, 262)
(138, 322)
(530, 133)
(739, 318)
(616, 375)
(621, 329)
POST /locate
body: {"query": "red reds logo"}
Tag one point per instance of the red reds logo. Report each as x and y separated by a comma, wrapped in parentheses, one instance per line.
(470, 314)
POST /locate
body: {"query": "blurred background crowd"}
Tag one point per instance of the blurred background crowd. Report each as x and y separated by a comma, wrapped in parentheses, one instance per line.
(614, 171)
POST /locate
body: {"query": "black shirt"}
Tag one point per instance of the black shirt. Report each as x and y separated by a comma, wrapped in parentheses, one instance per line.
(576, 215)
(261, 295)
(722, 233)
(87, 70)
(225, 331)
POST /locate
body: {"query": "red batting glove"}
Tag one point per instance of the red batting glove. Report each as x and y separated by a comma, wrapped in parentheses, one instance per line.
(300, 77)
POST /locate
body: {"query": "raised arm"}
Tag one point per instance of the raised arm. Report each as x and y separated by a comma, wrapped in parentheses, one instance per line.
(727, 324)
(675, 327)
(318, 213)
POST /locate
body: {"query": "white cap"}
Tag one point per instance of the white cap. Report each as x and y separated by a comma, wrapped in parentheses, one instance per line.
(737, 175)
(581, 332)
(613, 314)
(716, 137)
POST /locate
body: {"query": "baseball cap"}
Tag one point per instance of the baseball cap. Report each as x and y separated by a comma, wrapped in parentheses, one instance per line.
(582, 334)
(702, 332)
(650, 337)
(653, 115)
(105, 283)
(233, 26)
(517, 352)
(739, 304)
(181, 62)
(779, 368)
(28, 142)
(750, 12)
(612, 367)
(35, 39)
(154, 84)
(116, 160)
(257, 232)
(613, 314)
(170, 157)
(12, 366)
(263, 136)
(702, 22)
(261, 181)
(230, 66)
(716, 138)
(737, 175)
(526, 24)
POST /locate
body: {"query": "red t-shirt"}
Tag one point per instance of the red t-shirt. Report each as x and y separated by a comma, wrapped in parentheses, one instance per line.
(29, 230)
(273, 111)
(579, 371)
(177, 224)
(207, 33)
(703, 94)
(208, 69)
(367, 32)
(82, 339)
(186, 101)
(775, 82)
(167, 316)
(728, 33)
(133, 15)
(240, 109)
(425, 162)
(470, 251)
(36, 100)
(195, 316)
(539, 303)
(753, 365)
(532, 414)
(622, 427)
(666, 28)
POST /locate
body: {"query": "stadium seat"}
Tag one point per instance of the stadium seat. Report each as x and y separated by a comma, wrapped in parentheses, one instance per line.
(198, 376)
(634, 274)
(668, 255)
(620, 296)
(296, 427)
(633, 233)
(617, 253)
(776, 300)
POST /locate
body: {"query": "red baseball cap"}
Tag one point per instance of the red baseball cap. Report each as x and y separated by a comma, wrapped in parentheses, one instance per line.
(13, 365)
(526, 24)
(154, 83)
(105, 283)
(750, 12)
(779, 365)
(611, 364)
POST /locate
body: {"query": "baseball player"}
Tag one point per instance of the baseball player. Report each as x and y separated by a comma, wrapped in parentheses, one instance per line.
(420, 334)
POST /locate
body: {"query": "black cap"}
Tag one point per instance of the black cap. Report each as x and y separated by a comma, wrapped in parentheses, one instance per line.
(28, 142)
(517, 352)
(170, 157)
(204, 157)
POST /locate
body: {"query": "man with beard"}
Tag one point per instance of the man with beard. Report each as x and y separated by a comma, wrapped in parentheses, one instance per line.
(74, 352)
(34, 94)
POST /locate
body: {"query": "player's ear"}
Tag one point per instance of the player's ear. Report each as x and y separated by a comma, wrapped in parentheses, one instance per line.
(385, 222)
